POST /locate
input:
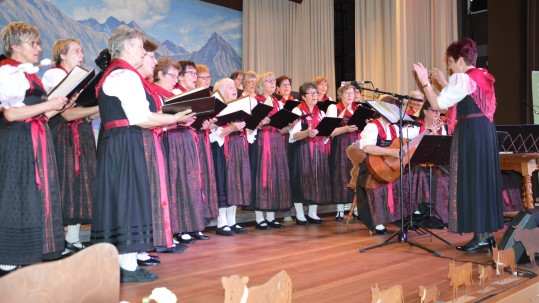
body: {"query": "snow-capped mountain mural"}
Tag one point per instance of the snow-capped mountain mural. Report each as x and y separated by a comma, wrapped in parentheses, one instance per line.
(53, 24)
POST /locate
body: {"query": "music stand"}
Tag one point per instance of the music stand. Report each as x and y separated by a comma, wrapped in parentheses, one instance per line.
(432, 150)
(402, 236)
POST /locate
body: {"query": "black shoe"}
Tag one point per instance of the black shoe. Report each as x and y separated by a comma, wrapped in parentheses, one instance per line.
(238, 229)
(71, 246)
(176, 249)
(379, 231)
(149, 262)
(339, 218)
(300, 222)
(264, 225)
(199, 236)
(314, 221)
(476, 244)
(275, 224)
(221, 231)
(154, 257)
(138, 275)
(186, 241)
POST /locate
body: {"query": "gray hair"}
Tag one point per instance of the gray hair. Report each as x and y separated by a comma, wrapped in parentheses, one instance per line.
(123, 34)
(259, 86)
(303, 89)
(16, 33)
(248, 75)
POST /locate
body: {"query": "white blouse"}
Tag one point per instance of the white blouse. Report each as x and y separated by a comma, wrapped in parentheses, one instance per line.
(369, 135)
(297, 127)
(13, 87)
(52, 77)
(459, 86)
(126, 85)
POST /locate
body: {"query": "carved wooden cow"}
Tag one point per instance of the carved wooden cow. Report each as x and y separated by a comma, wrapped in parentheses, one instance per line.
(502, 259)
(485, 273)
(391, 295)
(277, 290)
(429, 295)
(460, 275)
(530, 240)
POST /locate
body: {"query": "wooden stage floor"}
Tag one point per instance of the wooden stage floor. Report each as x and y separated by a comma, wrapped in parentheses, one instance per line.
(323, 262)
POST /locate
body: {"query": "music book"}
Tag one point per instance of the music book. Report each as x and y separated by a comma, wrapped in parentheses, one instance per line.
(236, 111)
(258, 113)
(360, 117)
(201, 117)
(87, 97)
(282, 118)
(323, 105)
(327, 125)
(72, 83)
(390, 112)
(197, 93)
(291, 104)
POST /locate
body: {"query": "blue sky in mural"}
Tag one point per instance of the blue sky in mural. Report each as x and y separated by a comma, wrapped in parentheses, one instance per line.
(188, 23)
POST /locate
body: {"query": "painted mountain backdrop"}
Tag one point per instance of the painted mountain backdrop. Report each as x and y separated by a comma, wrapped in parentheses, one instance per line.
(53, 24)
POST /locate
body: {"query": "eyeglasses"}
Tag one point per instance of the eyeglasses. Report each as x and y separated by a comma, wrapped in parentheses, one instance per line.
(172, 75)
(33, 44)
(205, 78)
(194, 74)
(270, 80)
(434, 110)
(250, 82)
(312, 94)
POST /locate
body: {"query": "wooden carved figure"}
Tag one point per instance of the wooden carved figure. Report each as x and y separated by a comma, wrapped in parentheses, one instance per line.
(485, 273)
(429, 295)
(277, 290)
(391, 295)
(530, 240)
(502, 259)
(460, 275)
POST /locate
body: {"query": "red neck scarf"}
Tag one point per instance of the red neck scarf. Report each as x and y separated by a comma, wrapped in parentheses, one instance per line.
(382, 132)
(60, 67)
(341, 107)
(162, 94)
(313, 122)
(180, 87)
(276, 105)
(121, 64)
(32, 78)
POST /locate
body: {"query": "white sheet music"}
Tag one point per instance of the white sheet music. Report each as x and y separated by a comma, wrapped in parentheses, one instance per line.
(389, 111)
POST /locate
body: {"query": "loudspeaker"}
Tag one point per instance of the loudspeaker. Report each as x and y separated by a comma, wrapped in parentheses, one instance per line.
(524, 220)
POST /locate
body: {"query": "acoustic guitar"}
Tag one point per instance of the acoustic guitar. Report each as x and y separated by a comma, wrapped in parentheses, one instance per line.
(387, 169)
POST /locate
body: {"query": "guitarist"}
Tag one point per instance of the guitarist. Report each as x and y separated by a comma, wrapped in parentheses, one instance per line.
(378, 202)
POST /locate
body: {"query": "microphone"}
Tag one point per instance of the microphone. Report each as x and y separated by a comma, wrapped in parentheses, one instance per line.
(355, 83)
(532, 107)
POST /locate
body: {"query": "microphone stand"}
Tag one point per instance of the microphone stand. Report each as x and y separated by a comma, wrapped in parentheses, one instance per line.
(402, 236)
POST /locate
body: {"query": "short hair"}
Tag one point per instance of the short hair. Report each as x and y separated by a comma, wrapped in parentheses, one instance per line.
(184, 64)
(149, 45)
(103, 59)
(61, 47)
(319, 79)
(303, 89)
(248, 75)
(343, 88)
(201, 68)
(282, 78)
(259, 86)
(17, 33)
(388, 99)
(235, 74)
(220, 85)
(417, 93)
(465, 48)
(163, 65)
(122, 35)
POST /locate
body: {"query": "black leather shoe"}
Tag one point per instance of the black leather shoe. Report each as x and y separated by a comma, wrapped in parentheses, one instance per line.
(264, 225)
(474, 245)
(300, 222)
(72, 247)
(186, 241)
(138, 275)
(223, 232)
(199, 236)
(314, 221)
(339, 218)
(238, 229)
(148, 262)
(275, 224)
(154, 257)
(379, 231)
(6, 272)
(176, 249)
